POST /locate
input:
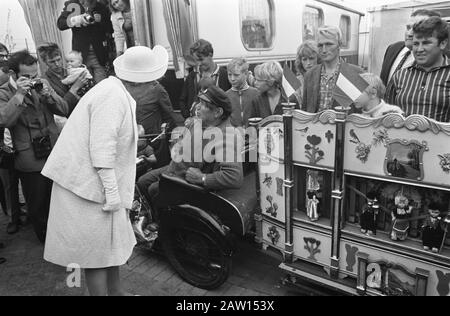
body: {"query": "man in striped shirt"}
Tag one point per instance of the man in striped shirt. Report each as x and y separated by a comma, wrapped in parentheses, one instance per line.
(424, 88)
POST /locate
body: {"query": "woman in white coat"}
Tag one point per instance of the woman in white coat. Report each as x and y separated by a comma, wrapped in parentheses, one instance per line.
(122, 23)
(93, 166)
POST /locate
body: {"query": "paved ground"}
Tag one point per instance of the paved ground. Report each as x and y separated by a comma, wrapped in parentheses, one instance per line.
(26, 274)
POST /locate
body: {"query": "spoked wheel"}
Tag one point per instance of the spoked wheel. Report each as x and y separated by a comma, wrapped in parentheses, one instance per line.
(197, 256)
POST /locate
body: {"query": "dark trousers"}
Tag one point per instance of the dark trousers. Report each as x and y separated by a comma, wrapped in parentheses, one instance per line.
(432, 237)
(368, 222)
(148, 183)
(10, 181)
(37, 190)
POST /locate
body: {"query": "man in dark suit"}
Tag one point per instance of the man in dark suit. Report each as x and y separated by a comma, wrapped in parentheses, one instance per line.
(90, 22)
(320, 81)
(398, 55)
(205, 73)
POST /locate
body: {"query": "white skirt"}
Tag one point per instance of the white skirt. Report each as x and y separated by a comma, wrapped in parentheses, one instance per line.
(80, 233)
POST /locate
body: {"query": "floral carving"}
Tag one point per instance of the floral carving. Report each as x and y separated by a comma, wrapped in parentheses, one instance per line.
(268, 181)
(313, 152)
(273, 208)
(445, 162)
(269, 142)
(312, 246)
(280, 183)
(274, 235)
(362, 150)
(381, 137)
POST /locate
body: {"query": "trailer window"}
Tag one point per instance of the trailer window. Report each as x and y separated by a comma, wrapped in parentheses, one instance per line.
(257, 23)
(345, 26)
(312, 20)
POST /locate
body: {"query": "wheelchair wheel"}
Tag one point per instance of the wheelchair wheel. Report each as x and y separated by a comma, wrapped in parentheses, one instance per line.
(196, 255)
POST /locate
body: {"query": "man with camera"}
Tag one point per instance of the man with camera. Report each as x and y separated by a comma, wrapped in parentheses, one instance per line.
(90, 21)
(27, 106)
(8, 174)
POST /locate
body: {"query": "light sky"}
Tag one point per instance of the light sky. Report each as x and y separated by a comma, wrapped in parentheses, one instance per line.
(19, 29)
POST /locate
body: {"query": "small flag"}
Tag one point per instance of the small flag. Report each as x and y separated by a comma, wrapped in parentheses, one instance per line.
(349, 86)
(290, 82)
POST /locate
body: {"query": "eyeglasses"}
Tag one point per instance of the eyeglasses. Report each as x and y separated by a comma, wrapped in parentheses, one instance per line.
(4, 56)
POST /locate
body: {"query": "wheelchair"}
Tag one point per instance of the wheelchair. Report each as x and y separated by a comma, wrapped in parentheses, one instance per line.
(196, 229)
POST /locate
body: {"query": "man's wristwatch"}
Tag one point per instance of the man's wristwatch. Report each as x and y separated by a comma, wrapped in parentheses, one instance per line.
(204, 180)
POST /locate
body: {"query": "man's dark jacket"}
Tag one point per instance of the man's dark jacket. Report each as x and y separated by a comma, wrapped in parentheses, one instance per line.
(311, 89)
(95, 34)
(191, 89)
(389, 58)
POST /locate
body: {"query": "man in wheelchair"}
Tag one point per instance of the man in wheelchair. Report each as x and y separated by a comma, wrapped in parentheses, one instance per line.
(204, 157)
(207, 155)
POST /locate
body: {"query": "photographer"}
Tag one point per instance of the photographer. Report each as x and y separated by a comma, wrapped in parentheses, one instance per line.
(27, 106)
(90, 22)
(8, 174)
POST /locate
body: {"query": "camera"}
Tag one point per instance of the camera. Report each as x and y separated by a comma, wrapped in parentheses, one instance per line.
(90, 17)
(42, 146)
(37, 84)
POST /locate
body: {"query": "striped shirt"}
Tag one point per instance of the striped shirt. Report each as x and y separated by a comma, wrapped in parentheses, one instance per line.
(422, 92)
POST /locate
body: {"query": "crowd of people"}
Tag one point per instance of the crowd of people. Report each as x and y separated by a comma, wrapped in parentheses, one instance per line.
(78, 174)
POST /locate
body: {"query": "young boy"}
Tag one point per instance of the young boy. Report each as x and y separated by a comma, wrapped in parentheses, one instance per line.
(240, 94)
(371, 101)
(75, 68)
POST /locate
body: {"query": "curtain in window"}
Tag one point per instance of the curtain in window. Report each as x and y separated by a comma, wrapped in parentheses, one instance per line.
(179, 30)
(41, 16)
(142, 22)
(311, 23)
(344, 25)
(257, 23)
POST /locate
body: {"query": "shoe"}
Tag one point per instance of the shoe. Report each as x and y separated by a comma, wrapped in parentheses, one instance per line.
(2, 260)
(12, 228)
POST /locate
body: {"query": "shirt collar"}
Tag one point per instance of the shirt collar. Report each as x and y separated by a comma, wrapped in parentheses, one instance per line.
(244, 88)
(337, 70)
(446, 63)
(375, 109)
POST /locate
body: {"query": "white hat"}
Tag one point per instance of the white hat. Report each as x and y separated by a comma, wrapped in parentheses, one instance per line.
(142, 64)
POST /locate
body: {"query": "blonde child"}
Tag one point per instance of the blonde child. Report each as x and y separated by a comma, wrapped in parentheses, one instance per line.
(75, 68)
(371, 101)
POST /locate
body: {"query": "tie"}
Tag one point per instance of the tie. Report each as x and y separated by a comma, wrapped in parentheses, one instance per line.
(402, 62)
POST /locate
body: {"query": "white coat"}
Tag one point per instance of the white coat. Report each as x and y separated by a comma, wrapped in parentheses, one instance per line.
(100, 133)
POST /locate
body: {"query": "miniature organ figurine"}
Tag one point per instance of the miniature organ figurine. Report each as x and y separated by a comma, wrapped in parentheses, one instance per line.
(433, 234)
(312, 207)
(312, 202)
(400, 217)
(368, 218)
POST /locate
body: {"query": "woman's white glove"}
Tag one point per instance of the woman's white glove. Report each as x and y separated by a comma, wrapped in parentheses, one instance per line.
(109, 180)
